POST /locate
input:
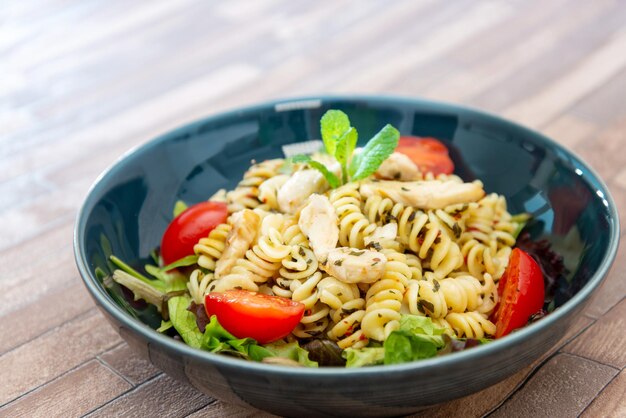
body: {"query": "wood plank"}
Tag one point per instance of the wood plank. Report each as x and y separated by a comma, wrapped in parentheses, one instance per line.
(33, 277)
(612, 400)
(595, 70)
(570, 131)
(50, 355)
(563, 387)
(490, 60)
(72, 394)
(600, 341)
(129, 364)
(483, 402)
(60, 304)
(162, 396)
(604, 152)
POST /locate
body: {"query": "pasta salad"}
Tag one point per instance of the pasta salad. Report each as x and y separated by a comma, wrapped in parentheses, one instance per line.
(347, 256)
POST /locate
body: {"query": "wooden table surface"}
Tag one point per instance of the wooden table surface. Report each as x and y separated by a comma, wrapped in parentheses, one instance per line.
(83, 81)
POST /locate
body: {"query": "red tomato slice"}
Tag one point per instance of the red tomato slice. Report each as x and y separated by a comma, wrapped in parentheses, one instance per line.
(248, 314)
(425, 144)
(187, 228)
(429, 154)
(521, 292)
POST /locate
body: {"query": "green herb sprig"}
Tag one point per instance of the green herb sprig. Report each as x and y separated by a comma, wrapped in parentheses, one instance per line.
(340, 139)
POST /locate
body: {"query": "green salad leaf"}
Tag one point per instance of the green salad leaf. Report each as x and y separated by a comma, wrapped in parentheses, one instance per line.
(216, 339)
(291, 351)
(521, 219)
(189, 260)
(416, 338)
(366, 356)
(179, 207)
(340, 139)
(184, 321)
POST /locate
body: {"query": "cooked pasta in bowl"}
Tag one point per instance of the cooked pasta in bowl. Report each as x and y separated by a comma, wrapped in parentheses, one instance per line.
(316, 254)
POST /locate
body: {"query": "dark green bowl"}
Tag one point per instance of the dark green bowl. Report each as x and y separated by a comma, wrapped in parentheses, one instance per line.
(129, 206)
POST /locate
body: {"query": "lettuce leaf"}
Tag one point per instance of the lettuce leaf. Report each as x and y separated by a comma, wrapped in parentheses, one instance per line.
(366, 356)
(417, 338)
(184, 321)
(291, 351)
(179, 207)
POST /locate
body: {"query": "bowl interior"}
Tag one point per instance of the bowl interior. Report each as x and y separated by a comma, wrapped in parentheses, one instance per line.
(128, 209)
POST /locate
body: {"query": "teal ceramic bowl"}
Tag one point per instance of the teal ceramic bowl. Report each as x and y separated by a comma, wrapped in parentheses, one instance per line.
(129, 207)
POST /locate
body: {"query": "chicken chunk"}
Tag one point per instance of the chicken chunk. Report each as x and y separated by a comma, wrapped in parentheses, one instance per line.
(381, 234)
(318, 221)
(351, 265)
(245, 226)
(398, 167)
(268, 190)
(433, 194)
(302, 184)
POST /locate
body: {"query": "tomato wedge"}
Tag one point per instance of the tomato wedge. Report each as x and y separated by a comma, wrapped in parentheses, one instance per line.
(521, 292)
(248, 314)
(186, 229)
(429, 154)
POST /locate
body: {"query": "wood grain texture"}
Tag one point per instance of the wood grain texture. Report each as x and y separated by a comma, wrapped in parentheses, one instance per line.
(551, 392)
(611, 402)
(72, 394)
(599, 341)
(82, 82)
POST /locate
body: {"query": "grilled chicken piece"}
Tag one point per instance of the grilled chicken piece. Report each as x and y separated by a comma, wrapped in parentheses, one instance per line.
(398, 167)
(245, 226)
(318, 221)
(268, 190)
(381, 234)
(435, 194)
(351, 265)
(298, 188)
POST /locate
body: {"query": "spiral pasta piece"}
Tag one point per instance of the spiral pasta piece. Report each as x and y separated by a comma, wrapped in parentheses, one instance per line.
(210, 249)
(384, 298)
(346, 312)
(453, 294)
(198, 285)
(246, 194)
(467, 325)
(353, 225)
(315, 319)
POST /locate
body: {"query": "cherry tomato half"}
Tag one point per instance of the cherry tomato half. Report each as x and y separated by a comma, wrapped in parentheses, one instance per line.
(255, 315)
(429, 154)
(521, 292)
(187, 228)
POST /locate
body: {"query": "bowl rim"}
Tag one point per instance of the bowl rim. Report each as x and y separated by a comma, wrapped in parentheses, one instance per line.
(589, 175)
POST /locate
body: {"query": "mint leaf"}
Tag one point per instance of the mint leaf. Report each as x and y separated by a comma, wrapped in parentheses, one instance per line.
(330, 177)
(345, 147)
(333, 125)
(179, 207)
(377, 150)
